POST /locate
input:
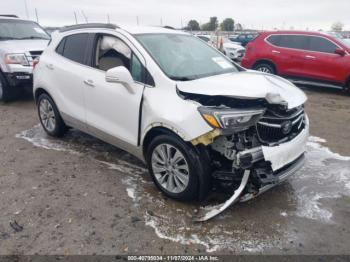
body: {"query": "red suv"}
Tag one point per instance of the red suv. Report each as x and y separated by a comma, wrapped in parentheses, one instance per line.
(312, 58)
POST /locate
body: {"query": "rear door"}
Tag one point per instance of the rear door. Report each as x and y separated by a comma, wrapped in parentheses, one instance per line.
(321, 61)
(288, 52)
(65, 69)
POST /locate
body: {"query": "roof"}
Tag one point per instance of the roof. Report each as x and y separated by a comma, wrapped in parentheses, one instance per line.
(296, 32)
(150, 30)
(130, 29)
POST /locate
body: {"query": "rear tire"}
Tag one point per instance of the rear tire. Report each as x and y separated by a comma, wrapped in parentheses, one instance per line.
(50, 117)
(265, 68)
(7, 92)
(175, 167)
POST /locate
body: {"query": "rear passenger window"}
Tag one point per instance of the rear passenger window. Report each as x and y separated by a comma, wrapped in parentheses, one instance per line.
(294, 41)
(274, 39)
(319, 44)
(73, 47)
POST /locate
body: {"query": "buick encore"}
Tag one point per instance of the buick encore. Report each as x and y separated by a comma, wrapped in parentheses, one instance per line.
(178, 104)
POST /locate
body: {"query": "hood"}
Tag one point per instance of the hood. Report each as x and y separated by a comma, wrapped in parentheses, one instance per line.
(22, 46)
(233, 45)
(246, 85)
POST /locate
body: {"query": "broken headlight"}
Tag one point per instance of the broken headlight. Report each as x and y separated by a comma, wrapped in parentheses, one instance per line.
(235, 119)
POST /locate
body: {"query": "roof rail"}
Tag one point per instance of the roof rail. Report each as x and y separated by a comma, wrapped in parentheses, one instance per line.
(12, 16)
(88, 25)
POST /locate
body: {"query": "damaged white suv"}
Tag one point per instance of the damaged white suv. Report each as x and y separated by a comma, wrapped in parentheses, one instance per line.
(177, 104)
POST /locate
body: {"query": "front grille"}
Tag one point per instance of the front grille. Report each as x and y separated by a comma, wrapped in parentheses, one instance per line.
(277, 128)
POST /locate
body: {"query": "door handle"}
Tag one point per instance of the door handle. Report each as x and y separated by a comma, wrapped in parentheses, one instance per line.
(310, 57)
(50, 66)
(89, 82)
(276, 52)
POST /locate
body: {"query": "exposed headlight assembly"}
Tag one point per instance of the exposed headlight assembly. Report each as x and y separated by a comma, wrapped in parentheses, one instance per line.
(234, 119)
(17, 59)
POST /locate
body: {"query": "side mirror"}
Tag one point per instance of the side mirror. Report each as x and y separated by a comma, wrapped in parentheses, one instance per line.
(340, 52)
(120, 75)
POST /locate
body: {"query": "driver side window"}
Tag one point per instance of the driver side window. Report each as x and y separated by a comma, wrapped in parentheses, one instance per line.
(112, 52)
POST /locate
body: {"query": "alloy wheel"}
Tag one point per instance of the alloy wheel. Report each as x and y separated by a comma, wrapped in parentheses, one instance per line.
(170, 168)
(264, 69)
(47, 115)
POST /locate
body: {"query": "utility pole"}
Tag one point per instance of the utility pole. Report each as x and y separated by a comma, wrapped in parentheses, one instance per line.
(108, 20)
(76, 19)
(26, 8)
(36, 15)
(161, 21)
(137, 20)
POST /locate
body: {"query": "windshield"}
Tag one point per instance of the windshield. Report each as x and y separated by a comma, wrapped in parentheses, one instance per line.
(185, 57)
(19, 30)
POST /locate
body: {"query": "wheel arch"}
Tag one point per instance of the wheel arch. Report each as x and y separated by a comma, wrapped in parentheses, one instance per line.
(202, 156)
(265, 61)
(39, 91)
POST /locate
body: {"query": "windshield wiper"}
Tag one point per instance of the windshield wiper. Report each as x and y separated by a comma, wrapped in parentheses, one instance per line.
(7, 38)
(33, 37)
(182, 78)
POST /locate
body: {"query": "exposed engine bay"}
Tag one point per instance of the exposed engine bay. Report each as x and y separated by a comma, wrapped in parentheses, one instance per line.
(241, 159)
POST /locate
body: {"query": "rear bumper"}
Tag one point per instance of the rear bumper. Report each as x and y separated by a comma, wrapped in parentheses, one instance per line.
(19, 79)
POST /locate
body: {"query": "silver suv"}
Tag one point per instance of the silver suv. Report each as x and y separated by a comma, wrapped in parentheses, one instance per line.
(21, 42)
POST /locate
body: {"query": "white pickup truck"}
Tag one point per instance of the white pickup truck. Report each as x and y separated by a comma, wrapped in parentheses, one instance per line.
(21, 42)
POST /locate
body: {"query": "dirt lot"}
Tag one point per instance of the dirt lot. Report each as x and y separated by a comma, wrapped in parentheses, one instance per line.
(80, 196)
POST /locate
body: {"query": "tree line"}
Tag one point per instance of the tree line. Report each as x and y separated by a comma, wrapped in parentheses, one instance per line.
(227, 24)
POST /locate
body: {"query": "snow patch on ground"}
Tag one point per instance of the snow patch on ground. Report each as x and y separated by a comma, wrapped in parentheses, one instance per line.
(326, 175)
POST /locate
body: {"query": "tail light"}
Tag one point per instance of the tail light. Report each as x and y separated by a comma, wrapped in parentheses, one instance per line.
(35, 62)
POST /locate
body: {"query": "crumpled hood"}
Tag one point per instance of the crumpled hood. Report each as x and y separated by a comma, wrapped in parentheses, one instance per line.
(245, 85)
(22, 46)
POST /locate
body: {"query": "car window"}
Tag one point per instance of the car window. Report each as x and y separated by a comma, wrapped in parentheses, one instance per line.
(294, 41)
(320, 44)
(73, 47)
(113, 52)
(274, 39)
(136, 69)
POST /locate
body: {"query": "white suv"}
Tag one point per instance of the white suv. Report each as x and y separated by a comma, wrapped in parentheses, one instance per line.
(21, 41)
(176, 103)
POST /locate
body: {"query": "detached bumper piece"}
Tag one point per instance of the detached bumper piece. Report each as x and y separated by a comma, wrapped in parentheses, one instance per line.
(265, 179)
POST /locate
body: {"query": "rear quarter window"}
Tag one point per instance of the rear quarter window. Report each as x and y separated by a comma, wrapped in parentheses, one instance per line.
(73, 47)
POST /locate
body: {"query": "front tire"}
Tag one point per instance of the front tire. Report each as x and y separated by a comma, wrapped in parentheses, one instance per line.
(50, 117)
(265, 68)
(174, 167)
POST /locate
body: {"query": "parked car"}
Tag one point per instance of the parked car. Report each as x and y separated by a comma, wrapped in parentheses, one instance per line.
(312, 58)
(231, 49)
(177, 104)
(243, 38)
(21, 42)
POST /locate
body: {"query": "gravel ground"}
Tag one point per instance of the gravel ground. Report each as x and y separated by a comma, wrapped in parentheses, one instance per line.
(78, 195)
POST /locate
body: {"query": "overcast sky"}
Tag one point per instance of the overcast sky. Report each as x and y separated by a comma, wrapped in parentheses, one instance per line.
(258, 14)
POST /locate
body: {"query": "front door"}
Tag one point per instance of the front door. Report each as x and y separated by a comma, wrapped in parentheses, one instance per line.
(112, 110)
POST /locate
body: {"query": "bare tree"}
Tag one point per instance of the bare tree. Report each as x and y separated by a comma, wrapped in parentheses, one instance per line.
(337, 26)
